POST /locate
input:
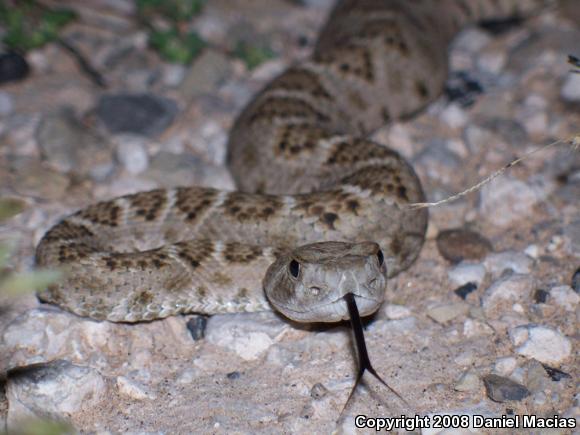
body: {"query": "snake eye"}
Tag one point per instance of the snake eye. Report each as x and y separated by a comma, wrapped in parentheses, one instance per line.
(294, 268)
(380, 257)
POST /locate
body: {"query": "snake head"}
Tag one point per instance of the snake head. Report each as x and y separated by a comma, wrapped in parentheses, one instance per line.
(308, 284)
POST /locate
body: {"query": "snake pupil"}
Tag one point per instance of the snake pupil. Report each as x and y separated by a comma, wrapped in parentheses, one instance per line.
(294, 268)
(380, 257)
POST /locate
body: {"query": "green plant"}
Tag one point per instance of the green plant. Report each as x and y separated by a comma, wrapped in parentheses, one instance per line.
(252, 55)
(167, 22)
(29, 25)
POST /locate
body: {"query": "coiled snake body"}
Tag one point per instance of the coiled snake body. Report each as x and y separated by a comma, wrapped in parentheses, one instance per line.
(320, 208)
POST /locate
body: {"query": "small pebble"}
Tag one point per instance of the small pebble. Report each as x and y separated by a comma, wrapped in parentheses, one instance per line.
(556, 374)
(469, 381)
(131, 388)
(502, 294)
(476, 328)
(6, 103)
(541, 296)
(233, 375)
(465, 290)
(318, 391)
(395, 312)
(570, 91)
(459, 244)
(196, 327)
(465, 273)
(541, 343)
(565, 297)
(454, 116)
(575, 284)
(505, 366)
(501, 389)
(132, 153)
(498, 262)
(532, 251)
(448, 312)
(13, 67)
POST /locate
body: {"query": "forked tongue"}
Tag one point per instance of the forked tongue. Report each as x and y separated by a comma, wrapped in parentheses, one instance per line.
(364, 363)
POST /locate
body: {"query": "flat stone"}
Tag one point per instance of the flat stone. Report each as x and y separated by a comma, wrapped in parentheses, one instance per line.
(132, 389)
(447, 312)
(468, 381)
(138, 113)
(541, 342)
(502, 294)
(71, 146)
(209, 70)
(31, 178)
(56, 389)
(501, 389)
(459, 244)
(565, 296)
(505, 365)
(497, 263)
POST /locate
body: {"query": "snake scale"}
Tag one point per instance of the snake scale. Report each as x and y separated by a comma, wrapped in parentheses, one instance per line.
(320, 210)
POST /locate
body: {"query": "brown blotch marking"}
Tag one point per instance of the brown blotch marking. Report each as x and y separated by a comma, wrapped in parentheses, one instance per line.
(295, 79)
(355, 150)
(221, 279)
(421, 89)
(379, 180)
(201, 292)
(349, 60)
(194, 201)
(241, 253)
(285, 107)
(238, 206)
(298, 138)
(148, 205)
(396, 244)
(194, 252)
(73, 252)
(103, 213)
(142, 299)
(329, 219)
(66, 230)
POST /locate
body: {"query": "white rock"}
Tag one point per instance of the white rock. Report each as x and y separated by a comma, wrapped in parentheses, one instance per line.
(505, 366)
(497, 262)
(132, 389)
(465, 272)
(505, 292)
(248, 335)
(492, 61)
(532, 251)
(507, 200)
(565, 296)
(474, 328)
(447, 312)
(132, 153)
(454, 116)
(541, 342)
(571, 88)
(469, 381)
(394, 312)
(58, 389)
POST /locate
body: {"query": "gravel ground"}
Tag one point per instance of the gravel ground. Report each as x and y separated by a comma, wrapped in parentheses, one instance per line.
(486, 321)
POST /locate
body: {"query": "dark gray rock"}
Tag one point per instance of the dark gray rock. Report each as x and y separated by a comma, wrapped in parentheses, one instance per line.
(501, 389)
(13, 67)
(144, 114)
(460, 244)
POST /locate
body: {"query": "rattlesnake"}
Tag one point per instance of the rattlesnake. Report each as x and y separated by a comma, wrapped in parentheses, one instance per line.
(300, 146)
